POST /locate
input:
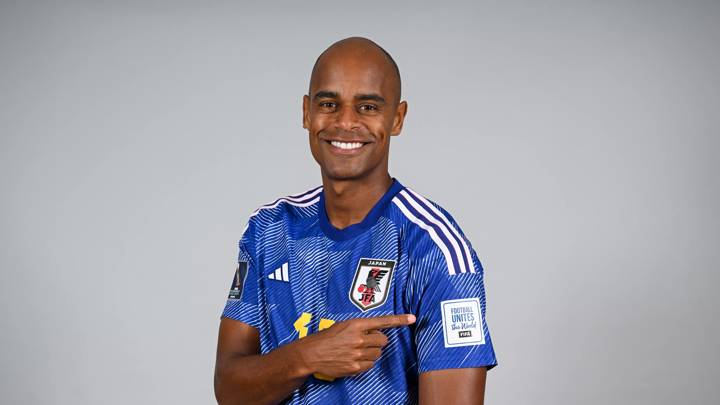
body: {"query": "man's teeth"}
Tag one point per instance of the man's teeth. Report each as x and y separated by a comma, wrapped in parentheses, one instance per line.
(346, 145)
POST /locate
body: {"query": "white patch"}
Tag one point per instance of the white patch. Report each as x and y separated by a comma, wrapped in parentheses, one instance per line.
(462, 323)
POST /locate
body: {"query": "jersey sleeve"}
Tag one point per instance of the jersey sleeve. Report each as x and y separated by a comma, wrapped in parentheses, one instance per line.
(449, 303)
(242, 301)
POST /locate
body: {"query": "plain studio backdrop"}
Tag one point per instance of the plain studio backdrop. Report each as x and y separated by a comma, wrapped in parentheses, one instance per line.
(576, 143)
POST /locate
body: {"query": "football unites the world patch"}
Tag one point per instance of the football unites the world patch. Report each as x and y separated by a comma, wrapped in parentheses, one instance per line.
(462, 322)
(371, 283)
(236, 288)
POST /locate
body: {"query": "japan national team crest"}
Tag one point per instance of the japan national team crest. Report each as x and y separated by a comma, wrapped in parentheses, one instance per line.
(371, 283)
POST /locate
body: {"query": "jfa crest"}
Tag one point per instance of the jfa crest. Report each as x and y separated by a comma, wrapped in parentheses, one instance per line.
(371, 283)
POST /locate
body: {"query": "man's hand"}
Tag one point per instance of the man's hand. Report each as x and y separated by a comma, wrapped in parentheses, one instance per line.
(243, 375)
(349, 347)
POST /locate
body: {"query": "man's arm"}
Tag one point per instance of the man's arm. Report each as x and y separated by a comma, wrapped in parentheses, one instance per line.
(242, 375)
(453, 386)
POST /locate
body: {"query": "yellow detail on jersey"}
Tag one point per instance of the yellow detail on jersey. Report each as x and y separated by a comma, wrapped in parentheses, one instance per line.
(301, 324)
(302, 329)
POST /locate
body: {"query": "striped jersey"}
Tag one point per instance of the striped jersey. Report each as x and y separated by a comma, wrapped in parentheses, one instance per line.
(298, 274)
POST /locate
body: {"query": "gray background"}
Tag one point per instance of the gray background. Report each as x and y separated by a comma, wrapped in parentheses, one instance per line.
(575, 142)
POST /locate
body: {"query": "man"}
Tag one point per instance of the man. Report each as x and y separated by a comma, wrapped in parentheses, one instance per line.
(361, 290)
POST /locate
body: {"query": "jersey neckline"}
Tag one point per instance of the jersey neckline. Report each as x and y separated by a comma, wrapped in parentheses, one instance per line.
(370, 219)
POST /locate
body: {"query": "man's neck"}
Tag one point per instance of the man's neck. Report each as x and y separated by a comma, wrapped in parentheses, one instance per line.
(348, 202)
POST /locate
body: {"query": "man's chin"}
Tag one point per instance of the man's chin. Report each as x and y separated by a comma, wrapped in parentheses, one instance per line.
(344, 174)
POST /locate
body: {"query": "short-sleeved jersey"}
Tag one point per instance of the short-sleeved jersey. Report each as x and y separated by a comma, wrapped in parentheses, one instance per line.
(298, 274)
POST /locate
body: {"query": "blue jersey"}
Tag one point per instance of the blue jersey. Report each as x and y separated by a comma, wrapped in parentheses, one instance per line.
(298, 274)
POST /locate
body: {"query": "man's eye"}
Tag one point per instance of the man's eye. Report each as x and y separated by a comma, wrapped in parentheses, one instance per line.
(327, 104)
(368, 107)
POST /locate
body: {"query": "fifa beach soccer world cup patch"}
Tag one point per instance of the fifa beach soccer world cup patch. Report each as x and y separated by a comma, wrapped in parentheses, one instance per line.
(236, 288)
(462, 322)
(371, 283)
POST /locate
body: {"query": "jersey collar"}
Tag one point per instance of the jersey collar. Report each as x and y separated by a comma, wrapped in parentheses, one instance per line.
(356, 229)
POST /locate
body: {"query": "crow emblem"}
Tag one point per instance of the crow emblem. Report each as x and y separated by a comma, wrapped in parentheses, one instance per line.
(373, 279)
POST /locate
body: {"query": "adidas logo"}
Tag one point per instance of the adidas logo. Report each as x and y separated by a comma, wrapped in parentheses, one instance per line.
(280, 274)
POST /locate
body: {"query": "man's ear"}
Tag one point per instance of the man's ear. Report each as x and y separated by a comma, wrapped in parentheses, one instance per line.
(306, 111)
(399, 118)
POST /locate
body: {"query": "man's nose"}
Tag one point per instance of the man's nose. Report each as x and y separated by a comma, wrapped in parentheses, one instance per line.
(347, 119)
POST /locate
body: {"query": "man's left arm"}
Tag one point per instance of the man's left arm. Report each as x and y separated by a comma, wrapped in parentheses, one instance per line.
(453, 344)
(453, 386)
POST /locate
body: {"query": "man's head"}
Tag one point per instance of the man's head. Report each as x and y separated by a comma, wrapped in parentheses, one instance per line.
(352, 108)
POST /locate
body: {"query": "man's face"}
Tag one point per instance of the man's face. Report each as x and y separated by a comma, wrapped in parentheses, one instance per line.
(350, 114)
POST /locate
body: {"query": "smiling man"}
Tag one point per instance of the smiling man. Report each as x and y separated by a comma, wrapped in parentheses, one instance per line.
(360, 290)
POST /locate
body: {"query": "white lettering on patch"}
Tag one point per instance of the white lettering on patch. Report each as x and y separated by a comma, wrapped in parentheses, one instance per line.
(462, 323)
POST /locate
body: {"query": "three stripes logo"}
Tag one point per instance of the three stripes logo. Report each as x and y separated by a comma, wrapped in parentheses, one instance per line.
(280, 274)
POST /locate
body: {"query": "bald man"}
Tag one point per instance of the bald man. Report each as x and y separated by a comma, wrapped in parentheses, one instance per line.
(360, 290)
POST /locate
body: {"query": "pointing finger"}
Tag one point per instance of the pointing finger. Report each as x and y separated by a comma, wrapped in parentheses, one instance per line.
(387, 321)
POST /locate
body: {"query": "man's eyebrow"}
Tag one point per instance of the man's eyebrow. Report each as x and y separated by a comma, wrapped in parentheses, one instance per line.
(325, 94)
(370, 97)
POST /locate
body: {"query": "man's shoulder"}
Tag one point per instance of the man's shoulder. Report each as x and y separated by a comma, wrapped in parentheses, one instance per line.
(297, 205)
(414, 208)
(433, 232)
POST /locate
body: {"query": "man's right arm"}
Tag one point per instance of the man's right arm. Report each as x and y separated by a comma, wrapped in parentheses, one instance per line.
(244, 376)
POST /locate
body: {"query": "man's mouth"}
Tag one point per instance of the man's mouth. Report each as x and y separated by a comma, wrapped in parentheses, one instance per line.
(346, 145)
